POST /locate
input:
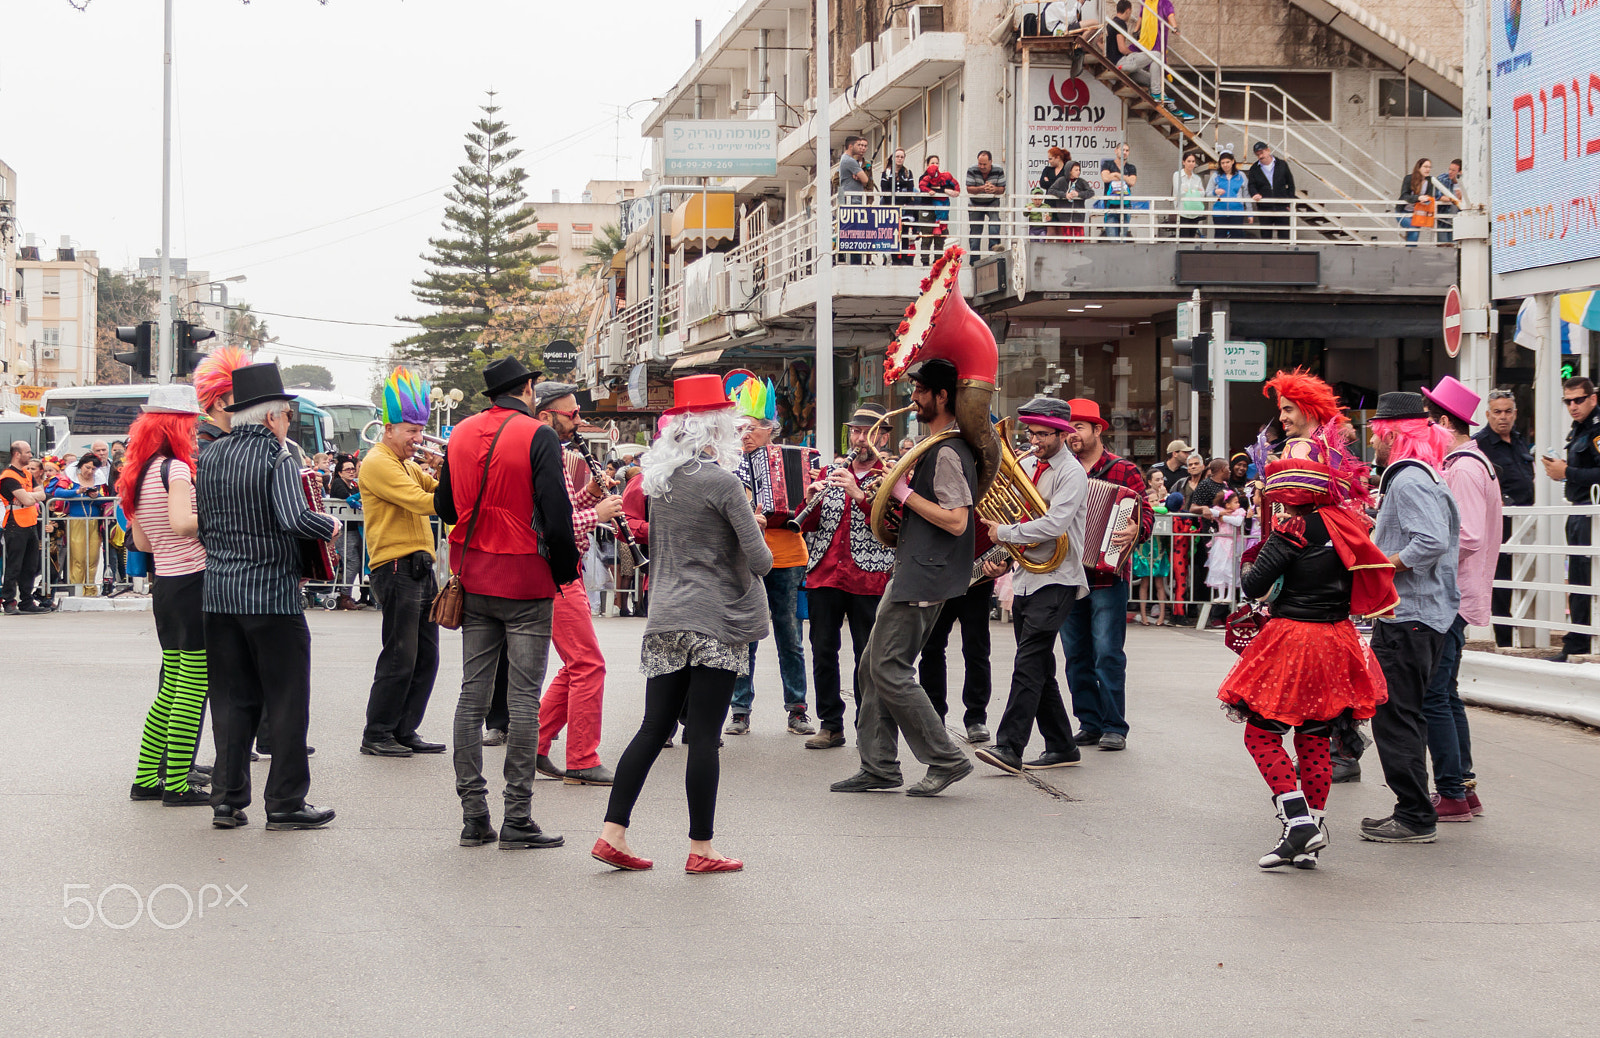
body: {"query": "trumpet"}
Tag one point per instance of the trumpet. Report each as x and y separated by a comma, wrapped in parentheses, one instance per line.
(430, 444)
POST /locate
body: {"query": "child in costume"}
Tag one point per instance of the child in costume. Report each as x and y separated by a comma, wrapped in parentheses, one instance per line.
(1222, 563)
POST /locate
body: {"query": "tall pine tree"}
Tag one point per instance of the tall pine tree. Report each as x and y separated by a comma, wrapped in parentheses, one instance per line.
(479, 278)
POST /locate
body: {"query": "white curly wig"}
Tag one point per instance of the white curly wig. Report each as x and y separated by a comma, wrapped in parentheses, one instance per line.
(688, 441)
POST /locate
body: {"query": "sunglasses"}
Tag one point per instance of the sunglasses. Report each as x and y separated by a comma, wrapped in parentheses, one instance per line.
(565, 414)
(1570, 400)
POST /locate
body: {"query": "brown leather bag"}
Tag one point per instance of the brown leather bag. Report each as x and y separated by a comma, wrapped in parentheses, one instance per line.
(451, 600)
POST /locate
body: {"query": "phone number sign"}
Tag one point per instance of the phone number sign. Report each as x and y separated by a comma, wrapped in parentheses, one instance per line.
(720, 148)
(869, 228)
(1080, 116)
(1546, 133)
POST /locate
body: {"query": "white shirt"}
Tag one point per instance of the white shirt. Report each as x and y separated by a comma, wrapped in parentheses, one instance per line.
(1065, 488)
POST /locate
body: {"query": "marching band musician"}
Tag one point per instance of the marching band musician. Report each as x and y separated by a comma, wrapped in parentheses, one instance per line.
(508, 473)
(933, 562)
(1042, 600)
(848, 571)
(258, 648)
(573, 700)
(396, 501)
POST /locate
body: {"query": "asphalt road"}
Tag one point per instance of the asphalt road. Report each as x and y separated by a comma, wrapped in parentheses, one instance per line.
(1124, 901)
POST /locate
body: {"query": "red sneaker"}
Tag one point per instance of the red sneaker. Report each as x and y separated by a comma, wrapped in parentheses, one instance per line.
(1450, 810)
(1473, 802)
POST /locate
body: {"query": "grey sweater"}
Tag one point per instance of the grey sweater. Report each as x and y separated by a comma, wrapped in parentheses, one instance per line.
(706, 557)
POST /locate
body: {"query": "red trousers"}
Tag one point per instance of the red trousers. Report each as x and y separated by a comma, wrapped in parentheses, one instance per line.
(573, 699)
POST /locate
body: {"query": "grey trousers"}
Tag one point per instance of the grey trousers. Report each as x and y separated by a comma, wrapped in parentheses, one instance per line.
(524, 629)
(891, 702)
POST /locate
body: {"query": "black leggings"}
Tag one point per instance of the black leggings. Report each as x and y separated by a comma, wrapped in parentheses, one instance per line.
(705, 693)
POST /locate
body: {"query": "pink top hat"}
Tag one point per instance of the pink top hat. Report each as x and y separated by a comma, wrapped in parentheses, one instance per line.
(1454, 398)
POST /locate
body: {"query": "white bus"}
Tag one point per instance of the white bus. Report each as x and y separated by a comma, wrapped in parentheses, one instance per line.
(106, 413)
(350, 415)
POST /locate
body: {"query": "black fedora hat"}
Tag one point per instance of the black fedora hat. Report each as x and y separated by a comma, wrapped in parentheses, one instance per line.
(504, 375)
(1400, 406)
(256, 384)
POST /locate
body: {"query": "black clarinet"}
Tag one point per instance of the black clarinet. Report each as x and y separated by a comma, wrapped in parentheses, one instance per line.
(579, 448)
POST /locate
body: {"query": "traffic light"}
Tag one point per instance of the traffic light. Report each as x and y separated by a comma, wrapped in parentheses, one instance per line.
(139, 336)
(1197, 351)
(187, 356)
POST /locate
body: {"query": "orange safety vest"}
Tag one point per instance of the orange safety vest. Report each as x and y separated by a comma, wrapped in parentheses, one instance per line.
(23, 517)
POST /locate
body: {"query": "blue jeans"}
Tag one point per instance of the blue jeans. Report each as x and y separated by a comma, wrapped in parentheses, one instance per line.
(1449, 739)
(1405, 225)
(1097, 668)
(783, 588)
(1115, 218)
(977, 217)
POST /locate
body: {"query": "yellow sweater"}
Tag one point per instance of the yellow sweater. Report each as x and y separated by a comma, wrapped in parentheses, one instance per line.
(396, 500)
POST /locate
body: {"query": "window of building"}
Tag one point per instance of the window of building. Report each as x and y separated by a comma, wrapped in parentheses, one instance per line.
(52, 284)
(912, 124)
(1400, 98)
(51, 337)
(582, 241)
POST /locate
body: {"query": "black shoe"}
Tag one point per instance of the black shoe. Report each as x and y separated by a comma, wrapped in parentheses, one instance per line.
(11, 608)
(1052, 759)
(188, 798)
(138, 792)
(1113, 741)
(477, 832)
(202, 769)
(1084, 738)
(599, 775)
(225, 817)
(307, 817)
(937, 780)
(1002, 758)
(384, 748)
(31, 607)
(1346, 769)
(417, 744)
(862, 782)
(523, 834)
(1392, 830)
(547, 767)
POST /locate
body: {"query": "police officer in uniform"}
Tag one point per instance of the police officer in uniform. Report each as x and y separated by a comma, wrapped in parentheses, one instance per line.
(1581, 471)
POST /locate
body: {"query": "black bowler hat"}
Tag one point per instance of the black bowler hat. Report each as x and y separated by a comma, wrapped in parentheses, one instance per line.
(257, 384)
(504, 375)
(1400, 406)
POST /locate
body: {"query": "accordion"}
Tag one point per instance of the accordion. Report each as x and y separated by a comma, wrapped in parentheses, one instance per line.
(776, 478)
(1109, 508)
(317, 561)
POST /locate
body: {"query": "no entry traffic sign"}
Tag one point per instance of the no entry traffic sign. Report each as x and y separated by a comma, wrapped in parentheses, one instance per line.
(1452, 321)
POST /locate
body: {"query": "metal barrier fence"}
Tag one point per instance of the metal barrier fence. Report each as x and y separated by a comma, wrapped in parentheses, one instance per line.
(1532, 600)
(1184, 565)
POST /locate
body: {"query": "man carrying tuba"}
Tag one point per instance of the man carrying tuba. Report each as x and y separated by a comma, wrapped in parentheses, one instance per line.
(1043, 600)
(933, 562)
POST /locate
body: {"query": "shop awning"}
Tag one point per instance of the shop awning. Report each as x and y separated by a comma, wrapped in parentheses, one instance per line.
(697, 360)
(710, 215)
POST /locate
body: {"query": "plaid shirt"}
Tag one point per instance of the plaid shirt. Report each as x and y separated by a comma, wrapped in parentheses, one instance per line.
(1114, 469)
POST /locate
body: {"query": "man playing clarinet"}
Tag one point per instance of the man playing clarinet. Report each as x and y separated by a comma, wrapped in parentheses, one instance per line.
(1043, 600)
(848, 571)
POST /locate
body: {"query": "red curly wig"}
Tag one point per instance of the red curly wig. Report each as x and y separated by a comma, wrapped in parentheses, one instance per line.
(1308, 392)
(154, 436)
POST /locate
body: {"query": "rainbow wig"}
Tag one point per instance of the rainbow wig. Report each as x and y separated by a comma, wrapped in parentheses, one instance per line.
(213, 376)
(756, 398)
(405, 399)
(1308, 392)
(1414, 439)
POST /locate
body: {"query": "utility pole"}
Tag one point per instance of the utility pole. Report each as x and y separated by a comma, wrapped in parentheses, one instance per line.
(1472, 222)
(164, 351)
(1219, 385)
(824, 279)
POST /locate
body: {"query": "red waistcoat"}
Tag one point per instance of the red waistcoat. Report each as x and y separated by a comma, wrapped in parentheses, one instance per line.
(505, 527)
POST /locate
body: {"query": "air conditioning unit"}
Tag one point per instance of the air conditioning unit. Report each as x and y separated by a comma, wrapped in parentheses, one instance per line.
(741, 286)
(863, 61)
(49, 353)
(613, 348)
(926, 18)
(894, 40)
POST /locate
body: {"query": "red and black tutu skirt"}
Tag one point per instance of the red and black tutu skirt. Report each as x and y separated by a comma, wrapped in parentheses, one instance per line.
(1295, 672)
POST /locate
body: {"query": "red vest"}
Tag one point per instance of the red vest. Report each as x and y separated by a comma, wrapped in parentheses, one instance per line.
(506, 526)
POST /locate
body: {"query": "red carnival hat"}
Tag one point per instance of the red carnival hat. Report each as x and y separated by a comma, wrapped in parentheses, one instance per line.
(1087, 411)
(698, 393)
(1299, 481)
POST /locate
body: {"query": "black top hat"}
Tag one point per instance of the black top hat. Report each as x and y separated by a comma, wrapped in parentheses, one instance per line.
(1399, 406)
(866, 416)
(256, 384)
(935, 373)
(504, 375)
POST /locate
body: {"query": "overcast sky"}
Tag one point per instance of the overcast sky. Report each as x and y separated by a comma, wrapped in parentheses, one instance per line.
(312, 144)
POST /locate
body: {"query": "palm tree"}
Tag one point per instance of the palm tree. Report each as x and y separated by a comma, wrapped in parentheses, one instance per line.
(245, 329)
(603, 250)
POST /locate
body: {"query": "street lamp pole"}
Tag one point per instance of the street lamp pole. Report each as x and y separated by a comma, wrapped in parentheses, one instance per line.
(823, 368)
(165, 355)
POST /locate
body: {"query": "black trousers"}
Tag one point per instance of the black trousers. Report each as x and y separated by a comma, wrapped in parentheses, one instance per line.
(257, 662)
(1408, 653)
(972, 610)
(1500, 597)
(705, 693)
(1577, 576)
(1273, 224)
(1035, 692)
(22, 561)
(409, 659)
(830, 608)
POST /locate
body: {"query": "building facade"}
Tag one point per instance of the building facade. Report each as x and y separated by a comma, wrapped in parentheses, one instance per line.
(572, 227)
(57, 293)
(1082, 298)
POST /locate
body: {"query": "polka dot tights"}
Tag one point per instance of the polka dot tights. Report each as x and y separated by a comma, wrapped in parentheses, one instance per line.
(1316, 770)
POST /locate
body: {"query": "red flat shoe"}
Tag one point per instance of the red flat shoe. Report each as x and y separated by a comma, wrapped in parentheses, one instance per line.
(701, 865)
(603, 851)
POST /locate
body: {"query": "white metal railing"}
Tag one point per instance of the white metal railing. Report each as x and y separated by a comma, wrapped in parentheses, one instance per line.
(1539, 554)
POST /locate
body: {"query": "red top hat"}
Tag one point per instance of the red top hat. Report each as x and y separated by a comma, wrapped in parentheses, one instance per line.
(1087, 411)
(698, 393)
